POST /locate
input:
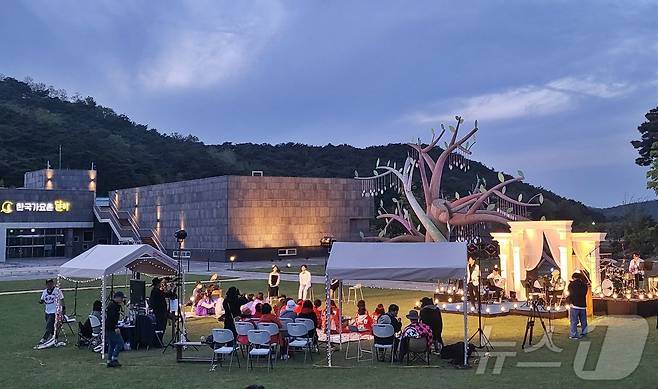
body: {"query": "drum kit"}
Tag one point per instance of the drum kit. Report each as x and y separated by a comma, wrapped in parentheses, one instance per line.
(616, 281)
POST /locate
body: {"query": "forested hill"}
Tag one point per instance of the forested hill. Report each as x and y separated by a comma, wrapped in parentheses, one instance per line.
(35, 119)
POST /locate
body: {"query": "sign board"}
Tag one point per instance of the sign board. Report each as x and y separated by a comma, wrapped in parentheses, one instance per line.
(182, 254)
(9, 206)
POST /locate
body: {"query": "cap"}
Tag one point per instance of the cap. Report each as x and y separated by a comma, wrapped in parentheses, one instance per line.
(119, 294)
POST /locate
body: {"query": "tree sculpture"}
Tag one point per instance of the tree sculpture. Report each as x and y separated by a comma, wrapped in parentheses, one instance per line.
(439, 216)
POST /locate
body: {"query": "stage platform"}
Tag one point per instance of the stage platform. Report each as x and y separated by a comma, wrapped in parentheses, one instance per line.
(623, 306)
(505, 308)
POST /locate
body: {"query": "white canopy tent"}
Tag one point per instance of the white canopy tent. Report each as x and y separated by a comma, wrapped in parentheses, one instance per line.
(101, 261)
(420, 262)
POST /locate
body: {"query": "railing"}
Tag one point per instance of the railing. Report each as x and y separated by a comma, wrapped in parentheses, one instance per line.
(137, 233)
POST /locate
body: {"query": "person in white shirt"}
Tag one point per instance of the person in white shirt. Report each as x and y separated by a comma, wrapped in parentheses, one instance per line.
(496, 282)
(53, 299)
(473, 284)
(304, 282)
(635, 268)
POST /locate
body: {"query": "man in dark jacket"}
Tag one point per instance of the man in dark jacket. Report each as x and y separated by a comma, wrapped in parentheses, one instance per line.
(390, 317)
(112, 332)
(430, 314)
(578, 305)
(158, 303)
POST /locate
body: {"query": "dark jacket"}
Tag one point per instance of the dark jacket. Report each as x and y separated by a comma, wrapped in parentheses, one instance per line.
(158, 302)
(112, 313)
(578, 293)
(394, 321)
(231, 312)
(431, 315)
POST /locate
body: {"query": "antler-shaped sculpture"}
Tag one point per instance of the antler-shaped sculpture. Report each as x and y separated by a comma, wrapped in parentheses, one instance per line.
(439, 215)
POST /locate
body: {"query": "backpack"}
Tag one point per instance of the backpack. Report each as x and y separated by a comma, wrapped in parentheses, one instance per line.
(455, 352)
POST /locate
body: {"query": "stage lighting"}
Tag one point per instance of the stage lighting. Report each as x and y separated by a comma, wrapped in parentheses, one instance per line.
(180, 235)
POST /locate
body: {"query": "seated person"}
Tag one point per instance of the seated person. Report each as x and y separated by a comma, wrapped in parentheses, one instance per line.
(298, 307)
(378, 312)
(251, 305)
(430, 314)
(268, 317)
(218, 299)
(197, 294)
(85, 328)
(317, 308)
(259, 311)
(289, 312)
(334, 323)
(496, 282)
(390, 317)
(309, 313)
(205, 307)
(417, 330)
(363, 321)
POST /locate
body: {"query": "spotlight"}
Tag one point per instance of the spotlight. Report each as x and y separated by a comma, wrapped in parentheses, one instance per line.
(443, 306)
(488, 310)
(515, 306)
(449, 299)
(436, 301)
(437, 290)
(502, 309)
(180, 235)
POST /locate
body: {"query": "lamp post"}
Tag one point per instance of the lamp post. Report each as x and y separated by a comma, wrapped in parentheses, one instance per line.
(232, 259)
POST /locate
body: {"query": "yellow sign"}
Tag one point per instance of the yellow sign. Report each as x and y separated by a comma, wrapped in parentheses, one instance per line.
(7, 207)
(56, 206)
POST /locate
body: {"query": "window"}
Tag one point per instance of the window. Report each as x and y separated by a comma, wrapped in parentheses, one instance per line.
(287, 252)
(88, 236)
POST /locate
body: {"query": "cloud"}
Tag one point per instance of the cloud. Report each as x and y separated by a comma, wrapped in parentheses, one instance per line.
(208, 44)
(530, 100)
(588, 86)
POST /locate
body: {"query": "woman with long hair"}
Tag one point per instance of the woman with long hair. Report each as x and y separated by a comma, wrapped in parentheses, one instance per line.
(231, 307)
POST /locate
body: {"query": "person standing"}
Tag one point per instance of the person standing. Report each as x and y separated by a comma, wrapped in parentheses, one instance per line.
(578, 305)
(273, 281)
(158, 303)
(112, 331)
(473, 284)
(304, 282)
(52, 298)
(231, 307)
(430, 314)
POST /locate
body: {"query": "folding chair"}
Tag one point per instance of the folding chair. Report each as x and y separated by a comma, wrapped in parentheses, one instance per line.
(68, 320)
(223, 344)
(383, 331)
(310, 327)
(242, 328)
(259, 346)
(96, 328)
(299, 338)
(418, 349)
(273, 329)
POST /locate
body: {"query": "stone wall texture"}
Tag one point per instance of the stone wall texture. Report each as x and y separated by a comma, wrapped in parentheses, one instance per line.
(243, 212)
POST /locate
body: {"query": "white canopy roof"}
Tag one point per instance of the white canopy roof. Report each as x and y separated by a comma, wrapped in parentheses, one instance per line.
(103, 260)
(421, 262)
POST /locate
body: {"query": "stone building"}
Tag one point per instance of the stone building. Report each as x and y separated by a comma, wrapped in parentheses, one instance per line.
(249, 217)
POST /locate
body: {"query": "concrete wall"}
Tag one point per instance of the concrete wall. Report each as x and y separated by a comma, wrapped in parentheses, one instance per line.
(198, 206)
(240, 212)
(294, 212)
(53, 179)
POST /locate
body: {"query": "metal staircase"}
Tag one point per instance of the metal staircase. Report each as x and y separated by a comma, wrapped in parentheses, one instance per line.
(125, 226)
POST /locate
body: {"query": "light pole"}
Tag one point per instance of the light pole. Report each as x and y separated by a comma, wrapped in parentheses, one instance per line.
(232, 259)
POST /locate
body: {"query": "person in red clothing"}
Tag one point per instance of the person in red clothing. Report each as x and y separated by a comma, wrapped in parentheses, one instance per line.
(378, 312)
(268, 317)
(298, 308)
(363, 321)
(335, 321)
(317, 305)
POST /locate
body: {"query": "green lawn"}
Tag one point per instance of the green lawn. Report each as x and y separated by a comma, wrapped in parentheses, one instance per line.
(23, 367)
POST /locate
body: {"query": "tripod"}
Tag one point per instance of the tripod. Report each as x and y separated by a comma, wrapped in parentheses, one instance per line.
(483, 340)
(530, 325)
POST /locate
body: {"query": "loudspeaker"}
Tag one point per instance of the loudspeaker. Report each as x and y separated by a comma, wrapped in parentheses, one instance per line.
(137, 291)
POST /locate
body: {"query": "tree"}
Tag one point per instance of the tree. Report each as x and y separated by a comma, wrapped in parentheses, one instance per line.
(649, 131)
(438, 214)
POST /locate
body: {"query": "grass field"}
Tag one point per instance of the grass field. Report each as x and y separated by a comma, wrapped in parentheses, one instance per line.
(23, 367)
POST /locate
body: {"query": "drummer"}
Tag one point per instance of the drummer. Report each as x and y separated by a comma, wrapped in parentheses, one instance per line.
(635, 268)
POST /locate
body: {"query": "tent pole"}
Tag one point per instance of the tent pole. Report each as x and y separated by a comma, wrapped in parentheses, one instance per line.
(465, 318)
(104, 302)
(327, 290)
(340, 315)
(75, 300)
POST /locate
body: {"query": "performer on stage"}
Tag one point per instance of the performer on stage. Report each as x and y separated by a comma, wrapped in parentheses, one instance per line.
(304, 282)
(636, 270)
(51, 297)
(496, 283)
(556, 282)
(473, 283)
(273, 281)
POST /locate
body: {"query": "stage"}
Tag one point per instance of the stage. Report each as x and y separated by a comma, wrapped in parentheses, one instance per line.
(520, 308)
(644, 307)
